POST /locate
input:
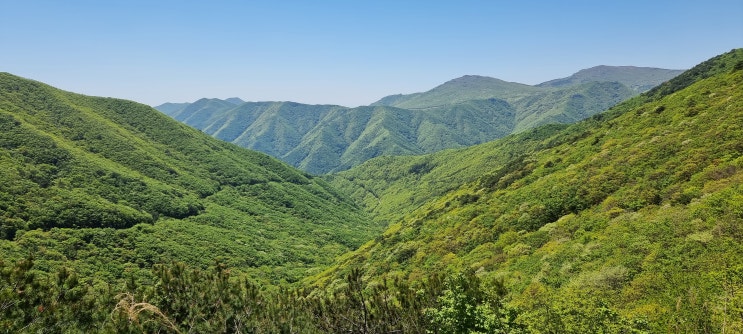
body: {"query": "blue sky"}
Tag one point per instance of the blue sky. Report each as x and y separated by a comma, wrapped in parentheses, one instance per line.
(344, 52)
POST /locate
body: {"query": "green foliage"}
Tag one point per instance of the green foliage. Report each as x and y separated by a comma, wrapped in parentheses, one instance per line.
(322, 138)
(613, 224)
(56, 303)
(181, 299)
(127, 185)
(627, 222)
(465, 308)
(716, 65)
(568, 105)
(460, 113)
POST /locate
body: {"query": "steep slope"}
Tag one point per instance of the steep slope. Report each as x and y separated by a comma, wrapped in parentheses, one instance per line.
(202, 113)
(324, 138)
(569, 104)
(639, 79)
(631, 217)
(271, 127)
(112, 186)
(348, 137)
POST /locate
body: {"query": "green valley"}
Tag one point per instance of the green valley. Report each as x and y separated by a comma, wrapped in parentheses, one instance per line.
(115, 218)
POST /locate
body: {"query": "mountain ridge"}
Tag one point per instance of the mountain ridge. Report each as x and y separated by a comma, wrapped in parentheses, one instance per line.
(637, 78)
(467, 87)
(640, 80)
(324, 138)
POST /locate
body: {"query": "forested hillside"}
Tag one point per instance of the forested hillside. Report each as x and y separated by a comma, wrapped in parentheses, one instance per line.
(110, 186)
(629, 220)
(117, 219)
(324, 138)
(462, 112)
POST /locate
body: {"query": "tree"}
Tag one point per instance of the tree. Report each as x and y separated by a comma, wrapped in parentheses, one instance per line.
(465, 308)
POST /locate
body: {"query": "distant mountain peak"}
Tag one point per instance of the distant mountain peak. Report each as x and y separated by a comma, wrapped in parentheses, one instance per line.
(464, 88)
(235, 100)
(474, 77)
(470, 78)
(637, 78)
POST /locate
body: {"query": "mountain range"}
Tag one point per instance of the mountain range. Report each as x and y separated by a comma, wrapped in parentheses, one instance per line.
(459, 113)
(116, 218)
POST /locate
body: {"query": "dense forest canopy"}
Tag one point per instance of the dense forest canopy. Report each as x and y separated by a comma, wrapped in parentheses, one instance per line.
(91, 181)
(115, 218)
